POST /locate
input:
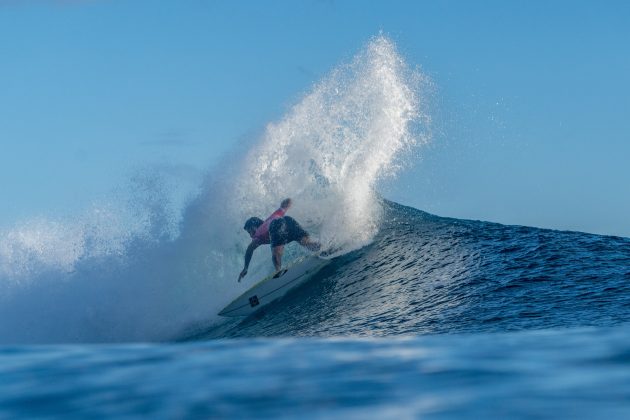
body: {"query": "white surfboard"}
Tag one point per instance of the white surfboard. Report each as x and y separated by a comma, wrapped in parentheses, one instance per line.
(274, 286)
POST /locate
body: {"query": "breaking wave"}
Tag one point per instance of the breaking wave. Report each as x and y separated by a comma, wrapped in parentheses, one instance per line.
(144, 270)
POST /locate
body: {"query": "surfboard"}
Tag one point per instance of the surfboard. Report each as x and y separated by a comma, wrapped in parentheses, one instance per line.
(274, 287)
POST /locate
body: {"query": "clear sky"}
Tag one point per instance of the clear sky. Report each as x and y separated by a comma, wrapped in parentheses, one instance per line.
(531, 104)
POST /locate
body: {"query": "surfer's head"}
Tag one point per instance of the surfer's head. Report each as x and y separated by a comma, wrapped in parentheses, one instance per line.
(252, 224)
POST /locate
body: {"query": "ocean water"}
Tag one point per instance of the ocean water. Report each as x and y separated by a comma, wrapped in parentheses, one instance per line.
(114, 313)
(569, 373)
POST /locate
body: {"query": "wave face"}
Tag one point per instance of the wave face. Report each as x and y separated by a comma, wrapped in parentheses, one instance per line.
(425, 274)
(146, 272)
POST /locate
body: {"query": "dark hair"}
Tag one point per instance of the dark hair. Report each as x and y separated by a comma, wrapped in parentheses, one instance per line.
(253, 222)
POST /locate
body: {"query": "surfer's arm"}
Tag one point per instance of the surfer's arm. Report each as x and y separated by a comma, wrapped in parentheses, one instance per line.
(248, 257)
(284, 206)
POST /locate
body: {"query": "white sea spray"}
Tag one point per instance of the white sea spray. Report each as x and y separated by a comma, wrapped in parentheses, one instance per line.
(143, 271)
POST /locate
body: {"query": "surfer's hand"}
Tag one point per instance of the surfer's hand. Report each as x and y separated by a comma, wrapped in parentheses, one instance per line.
(286, 203)
(243, 273)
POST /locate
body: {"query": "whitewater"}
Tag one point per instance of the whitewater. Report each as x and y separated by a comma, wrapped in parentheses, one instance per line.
(115, 313)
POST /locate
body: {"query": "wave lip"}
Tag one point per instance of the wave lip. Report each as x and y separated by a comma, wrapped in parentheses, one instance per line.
(332, 148)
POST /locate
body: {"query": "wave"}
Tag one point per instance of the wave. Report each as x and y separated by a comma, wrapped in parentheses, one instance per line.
(425, 274)
(145, 271)
(153, 270)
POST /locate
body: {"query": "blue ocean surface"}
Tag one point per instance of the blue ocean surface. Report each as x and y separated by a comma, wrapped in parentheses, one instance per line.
(437, 318)
(577, 373)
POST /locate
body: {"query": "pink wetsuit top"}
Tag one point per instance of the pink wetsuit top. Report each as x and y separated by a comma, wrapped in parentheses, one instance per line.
(262, 233)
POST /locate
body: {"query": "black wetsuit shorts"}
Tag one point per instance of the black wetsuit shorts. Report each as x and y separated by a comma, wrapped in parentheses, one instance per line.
(284, 230)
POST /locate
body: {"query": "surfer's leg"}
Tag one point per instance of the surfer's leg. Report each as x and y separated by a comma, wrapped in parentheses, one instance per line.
(279, 237)
(309, 244)
(276, 256)
(297, 233)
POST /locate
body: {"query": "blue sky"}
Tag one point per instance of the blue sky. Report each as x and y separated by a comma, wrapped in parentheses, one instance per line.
(531, 104)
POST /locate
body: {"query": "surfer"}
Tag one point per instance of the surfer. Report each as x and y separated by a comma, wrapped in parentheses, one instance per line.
(278, 230)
